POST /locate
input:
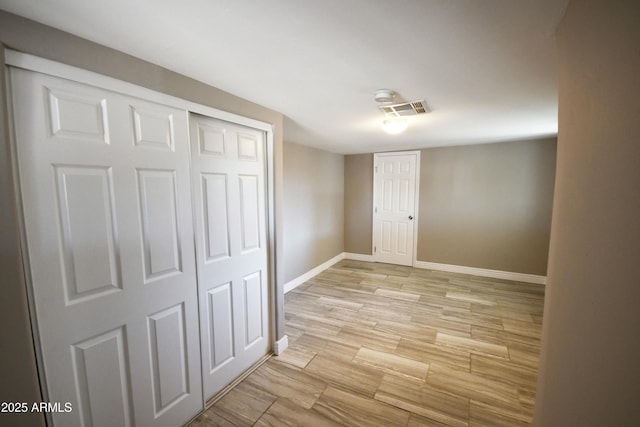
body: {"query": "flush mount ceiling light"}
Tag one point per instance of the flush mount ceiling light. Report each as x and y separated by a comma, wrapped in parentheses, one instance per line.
(395, 122)
(394, 126)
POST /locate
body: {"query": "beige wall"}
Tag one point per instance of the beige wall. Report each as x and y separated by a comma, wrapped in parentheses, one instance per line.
(313, 208)
(487, 206)
(590, 361)
(358, 203)
(17, 368)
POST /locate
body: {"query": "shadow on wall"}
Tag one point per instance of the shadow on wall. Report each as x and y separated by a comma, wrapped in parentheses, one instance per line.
(313, 208)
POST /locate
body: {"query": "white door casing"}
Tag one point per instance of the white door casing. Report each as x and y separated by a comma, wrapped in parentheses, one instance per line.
(106, 200)
(395, 196)
(228, 162)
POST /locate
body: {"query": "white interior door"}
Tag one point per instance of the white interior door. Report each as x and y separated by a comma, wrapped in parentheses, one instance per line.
(231, 245)
(105, 187)
(394, 207)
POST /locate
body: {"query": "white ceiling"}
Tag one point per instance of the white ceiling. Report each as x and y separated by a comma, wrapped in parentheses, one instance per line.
(486, 68)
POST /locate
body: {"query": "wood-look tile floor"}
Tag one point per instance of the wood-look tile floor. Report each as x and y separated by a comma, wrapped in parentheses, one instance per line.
(384, 345)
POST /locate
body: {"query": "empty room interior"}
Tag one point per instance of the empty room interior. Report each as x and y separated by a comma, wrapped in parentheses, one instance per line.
(360, 213)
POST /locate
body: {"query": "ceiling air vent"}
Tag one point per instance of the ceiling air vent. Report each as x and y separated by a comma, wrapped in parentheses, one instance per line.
(405, 109)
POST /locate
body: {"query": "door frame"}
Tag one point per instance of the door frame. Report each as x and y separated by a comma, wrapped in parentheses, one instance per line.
(416, 199)
(15, 59)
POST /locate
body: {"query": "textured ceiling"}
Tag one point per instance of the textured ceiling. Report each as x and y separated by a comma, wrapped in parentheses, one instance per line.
(486, 68)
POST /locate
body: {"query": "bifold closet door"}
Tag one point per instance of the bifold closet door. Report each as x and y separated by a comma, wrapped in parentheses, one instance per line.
(229, 195)
(105, 187)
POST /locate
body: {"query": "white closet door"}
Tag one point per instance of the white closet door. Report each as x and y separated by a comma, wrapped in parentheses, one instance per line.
(231, 246)
(105, 187)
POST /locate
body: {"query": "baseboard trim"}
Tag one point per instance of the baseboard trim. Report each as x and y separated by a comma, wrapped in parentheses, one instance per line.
(358, 257)
(474, 271)
(495, 274)
(289, 286)
(280, 345)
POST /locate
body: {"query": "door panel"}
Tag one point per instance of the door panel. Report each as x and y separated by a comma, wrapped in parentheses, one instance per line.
(83, 117)
(103, 378)
(229, 177)
(220, 312)
(211, 140)
(394, 207)
(153, 128)
(248, 146)
(106, 198)
(215, 207)
(252, 286)
(85, 201)
(402, 238)
(170, 379)
(158, 212)
(249, 213)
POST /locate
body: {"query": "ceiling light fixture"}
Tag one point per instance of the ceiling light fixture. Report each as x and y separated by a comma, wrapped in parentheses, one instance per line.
(394, 126)
(395, 113)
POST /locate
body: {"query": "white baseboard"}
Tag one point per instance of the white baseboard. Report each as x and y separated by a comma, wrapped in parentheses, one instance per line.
(309, 274)
(358, 257)
(280, 345)
(496, 274)
(475, 271)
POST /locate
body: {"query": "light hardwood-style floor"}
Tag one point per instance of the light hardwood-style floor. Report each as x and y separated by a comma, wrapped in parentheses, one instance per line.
(384, 345)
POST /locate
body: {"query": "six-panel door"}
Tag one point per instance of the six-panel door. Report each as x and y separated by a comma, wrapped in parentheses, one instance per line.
(394, 207)
(229, 186)
(106, 195)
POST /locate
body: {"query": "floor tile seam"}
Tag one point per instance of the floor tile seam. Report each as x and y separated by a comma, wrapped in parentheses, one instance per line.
(339, 413)
(402, 355)
(503, 382)
(524, 417)
(265, 411)
(482, 341)
(516, 366)
(222, 414)
(512, 336)
(445, 351)
(284, 362)
(386, 370)
(346, 389)
(489, 397)
(536, 339)
(422, 415)
(476, 323)
(426, 340)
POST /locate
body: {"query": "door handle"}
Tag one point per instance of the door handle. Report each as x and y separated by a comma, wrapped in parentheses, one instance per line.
(410, 217)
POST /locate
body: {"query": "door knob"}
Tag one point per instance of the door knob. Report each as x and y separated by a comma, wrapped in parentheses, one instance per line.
(410, 217)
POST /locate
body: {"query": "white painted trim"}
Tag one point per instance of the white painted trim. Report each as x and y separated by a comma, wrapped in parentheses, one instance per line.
(416, 207)
(496, 274)
(358, 257)
(280, 345)
(270, 172)
(311, 273)
(57, 69)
